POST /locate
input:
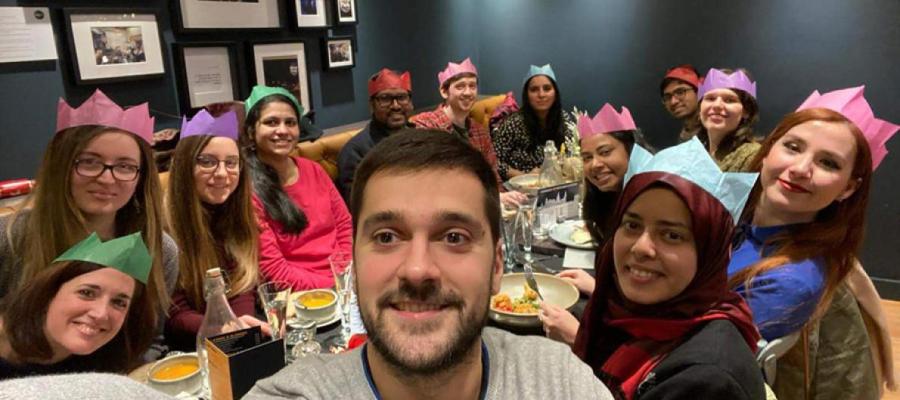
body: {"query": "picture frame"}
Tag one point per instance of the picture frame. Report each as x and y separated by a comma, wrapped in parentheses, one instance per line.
(206, 73)
(345, 12)
(338, 52)
(113, 45)
(211, 15)
(283, 64)
(311, 13)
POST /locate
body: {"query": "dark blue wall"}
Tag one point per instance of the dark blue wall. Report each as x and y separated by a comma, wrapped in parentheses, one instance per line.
(602, 50)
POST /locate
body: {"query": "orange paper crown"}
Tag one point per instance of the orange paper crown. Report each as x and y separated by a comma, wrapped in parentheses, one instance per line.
(387, 79)
(100, 110)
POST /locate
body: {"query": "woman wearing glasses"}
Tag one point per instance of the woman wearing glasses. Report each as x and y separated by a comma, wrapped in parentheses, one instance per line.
(97, 175)
(519, 139)
(302, 217)
(212, 220)
(728, 111)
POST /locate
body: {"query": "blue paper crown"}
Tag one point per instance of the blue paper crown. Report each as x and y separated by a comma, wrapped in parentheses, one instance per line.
(534, 70)
(691, 161)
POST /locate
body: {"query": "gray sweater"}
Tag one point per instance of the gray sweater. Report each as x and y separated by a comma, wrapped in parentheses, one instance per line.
(11, 267)
(521, 367)
(78, 386)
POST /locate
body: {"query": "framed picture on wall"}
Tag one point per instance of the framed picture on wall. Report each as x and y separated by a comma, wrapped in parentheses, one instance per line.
(206, 73)
(283, 64)
(345, 12)
(112, 45)
(226, 14)
(311, 13)
(338, 52)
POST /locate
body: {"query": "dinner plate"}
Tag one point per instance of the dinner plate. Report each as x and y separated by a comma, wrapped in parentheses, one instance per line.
(555, 291)
(562, 234)
(527, 183)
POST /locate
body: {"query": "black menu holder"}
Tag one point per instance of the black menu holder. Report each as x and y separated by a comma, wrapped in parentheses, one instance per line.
(238, 359)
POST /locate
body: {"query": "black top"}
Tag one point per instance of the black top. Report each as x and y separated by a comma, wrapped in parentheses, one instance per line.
(354, 151)
(715, 363)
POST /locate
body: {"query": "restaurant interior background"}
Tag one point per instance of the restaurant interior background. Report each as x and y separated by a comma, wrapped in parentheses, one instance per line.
(602, 51)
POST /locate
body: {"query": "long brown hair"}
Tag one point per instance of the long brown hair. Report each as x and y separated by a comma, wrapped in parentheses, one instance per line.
(835, 234)
(55, 223)
(744, 131)
(27, 306)
(210, 235)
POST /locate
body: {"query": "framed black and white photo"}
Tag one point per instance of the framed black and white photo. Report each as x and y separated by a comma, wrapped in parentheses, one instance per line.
(345, 12)
(311, 13)
(338, 52)
(205, 15)
(283, 64)
(206, 73)
(114, 45)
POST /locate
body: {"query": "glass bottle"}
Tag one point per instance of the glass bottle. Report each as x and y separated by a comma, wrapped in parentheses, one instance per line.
(218, 319)
(551, 173)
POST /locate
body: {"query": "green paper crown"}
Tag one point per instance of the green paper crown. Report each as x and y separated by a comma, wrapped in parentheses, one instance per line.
(127, 254)
(260, 92)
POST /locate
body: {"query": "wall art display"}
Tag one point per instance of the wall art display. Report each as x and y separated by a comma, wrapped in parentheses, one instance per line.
(339, 52)
(26, 34)
(227, 14)
(345, 12)
(311, 13)
(114, 45)
(206, 73)
(283, 64)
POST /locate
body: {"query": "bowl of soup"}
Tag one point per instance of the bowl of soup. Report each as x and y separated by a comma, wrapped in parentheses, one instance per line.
(317, 304)
(175, 374)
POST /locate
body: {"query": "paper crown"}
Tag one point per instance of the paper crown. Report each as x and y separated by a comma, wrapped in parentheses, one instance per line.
(716, 79)
(852, 105)
(607, 120)
(205, 124)
(691, 161)
(260, 92)
(684, 72)
(387, 79)
(127, 254)
(100, 110)
(452, 70)
(534, 70)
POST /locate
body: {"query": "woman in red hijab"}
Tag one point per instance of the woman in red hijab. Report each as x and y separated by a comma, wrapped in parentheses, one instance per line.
(662, 323)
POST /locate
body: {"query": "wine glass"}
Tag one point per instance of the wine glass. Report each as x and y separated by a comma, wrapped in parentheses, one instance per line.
(342, 268)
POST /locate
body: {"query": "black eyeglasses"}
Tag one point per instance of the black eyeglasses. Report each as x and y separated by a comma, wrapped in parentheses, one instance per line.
(211, 164)
(385, 100)
(678, 93)
(92, 168)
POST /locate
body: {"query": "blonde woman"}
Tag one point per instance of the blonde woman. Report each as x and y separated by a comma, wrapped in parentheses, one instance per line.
(97, 175)
(211, 217)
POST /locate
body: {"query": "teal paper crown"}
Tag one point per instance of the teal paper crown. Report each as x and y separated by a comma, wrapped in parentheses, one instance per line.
(691, 161)
(534, 70)
(127, 254)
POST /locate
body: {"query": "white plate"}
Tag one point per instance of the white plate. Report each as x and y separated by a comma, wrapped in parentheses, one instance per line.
(334, 318)
(562, 234)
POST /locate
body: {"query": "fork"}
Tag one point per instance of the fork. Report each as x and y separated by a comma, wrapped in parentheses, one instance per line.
(529, 278)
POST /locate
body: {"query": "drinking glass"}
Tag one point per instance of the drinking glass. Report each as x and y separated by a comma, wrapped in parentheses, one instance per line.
(303, 332)
(342, 268)
(524, 234)
(509, 244)
(546, 217)
(274, 297)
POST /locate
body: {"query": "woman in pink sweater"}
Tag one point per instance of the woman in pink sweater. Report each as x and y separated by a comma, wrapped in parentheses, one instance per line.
(302, 217)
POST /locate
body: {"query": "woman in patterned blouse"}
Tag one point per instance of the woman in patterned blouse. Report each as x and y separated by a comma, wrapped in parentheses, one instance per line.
(519, 139)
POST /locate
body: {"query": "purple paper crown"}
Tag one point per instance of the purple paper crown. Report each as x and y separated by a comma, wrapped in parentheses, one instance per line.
(226, 125)
(716, 79)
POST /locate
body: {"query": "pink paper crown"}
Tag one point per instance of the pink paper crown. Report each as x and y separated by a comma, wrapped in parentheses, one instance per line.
(205, 124)
(100, 110)
(716, 79)
(452, 70)
(607, 120)
(852, 105)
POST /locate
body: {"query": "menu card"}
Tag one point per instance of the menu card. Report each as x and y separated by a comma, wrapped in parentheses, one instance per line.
(238, 359)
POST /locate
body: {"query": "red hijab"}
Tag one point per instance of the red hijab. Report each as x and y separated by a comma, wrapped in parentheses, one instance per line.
(623, 341)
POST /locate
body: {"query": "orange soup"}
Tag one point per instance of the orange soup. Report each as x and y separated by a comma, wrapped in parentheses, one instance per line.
(316, 299)
(176, 370)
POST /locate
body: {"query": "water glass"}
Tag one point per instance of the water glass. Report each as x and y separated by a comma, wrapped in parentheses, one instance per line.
(524, 231)
(274, 297)
(546, 217)
(509, 244)
(302, 337)
(342, 268)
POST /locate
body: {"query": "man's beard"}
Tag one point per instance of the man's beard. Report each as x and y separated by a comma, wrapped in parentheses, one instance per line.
(447, 354)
